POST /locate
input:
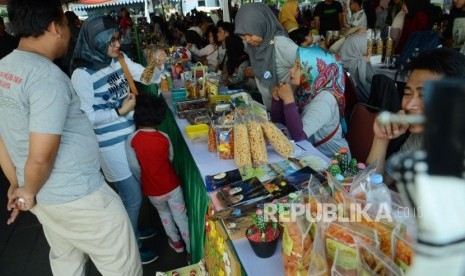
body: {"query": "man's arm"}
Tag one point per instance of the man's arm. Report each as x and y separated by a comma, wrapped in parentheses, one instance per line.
(9, 170)
(7, 165)
(43, 149)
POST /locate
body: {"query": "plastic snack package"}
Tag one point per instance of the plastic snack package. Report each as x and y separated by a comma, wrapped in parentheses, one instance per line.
(342, 236)
(372, 261)
(242, 156)
(402, 248)
(277, 139)
(297, 239)
(225, 142)
(318, 264)
(257, 143)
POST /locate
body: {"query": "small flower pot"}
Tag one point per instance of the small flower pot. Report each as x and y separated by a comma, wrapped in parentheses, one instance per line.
(262, 249)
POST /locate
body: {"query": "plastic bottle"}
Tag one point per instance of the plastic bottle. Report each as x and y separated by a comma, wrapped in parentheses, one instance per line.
(378, 193)
(415, 53)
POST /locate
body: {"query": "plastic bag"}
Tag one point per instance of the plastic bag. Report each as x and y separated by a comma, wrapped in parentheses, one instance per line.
(372, 261)
(242, 155)
(402, 248)
(342, 236)
(318, 264)
(257, 143)
(225, 142)
(297, 240)
(277, 139)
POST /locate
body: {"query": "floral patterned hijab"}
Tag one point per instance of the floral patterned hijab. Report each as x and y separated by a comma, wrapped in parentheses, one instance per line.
(319, 71)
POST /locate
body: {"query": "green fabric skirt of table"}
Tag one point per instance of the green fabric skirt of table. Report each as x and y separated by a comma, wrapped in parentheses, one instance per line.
(195, 193)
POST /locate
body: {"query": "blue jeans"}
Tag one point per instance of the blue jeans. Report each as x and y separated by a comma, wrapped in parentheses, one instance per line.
(130, 192)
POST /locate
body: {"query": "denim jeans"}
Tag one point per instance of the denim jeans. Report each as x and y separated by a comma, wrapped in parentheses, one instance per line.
(130, 192)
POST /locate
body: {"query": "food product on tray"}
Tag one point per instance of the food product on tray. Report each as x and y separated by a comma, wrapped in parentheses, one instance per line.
(257, 144)
(242, 146)
(277, 139)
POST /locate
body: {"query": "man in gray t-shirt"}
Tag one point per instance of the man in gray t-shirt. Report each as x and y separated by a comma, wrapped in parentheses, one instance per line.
(49, 153)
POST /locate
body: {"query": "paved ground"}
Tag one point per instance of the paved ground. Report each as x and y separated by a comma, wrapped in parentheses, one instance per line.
(24, 249)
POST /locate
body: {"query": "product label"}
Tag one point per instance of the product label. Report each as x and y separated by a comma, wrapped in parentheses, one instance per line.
(287, 242)
(347, 256)
(402, 265)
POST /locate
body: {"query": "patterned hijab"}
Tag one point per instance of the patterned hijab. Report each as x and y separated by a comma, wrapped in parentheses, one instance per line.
(319, 72)
(258, 19)
(92, 45)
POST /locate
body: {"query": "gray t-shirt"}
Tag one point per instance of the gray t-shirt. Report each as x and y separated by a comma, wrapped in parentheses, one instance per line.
(320, 118)
(36, 96)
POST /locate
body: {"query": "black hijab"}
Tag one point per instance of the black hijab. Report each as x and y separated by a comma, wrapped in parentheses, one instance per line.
(92, 45)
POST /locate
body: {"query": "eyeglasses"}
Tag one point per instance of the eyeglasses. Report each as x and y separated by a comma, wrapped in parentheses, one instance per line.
(115, 40)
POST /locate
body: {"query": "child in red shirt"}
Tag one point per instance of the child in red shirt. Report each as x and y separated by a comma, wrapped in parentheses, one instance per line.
(154, 154)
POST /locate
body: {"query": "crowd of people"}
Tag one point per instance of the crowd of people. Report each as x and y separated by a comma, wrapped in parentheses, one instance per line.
(72, 131)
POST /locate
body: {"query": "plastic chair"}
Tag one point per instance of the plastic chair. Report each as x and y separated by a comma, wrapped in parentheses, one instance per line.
(360, 131)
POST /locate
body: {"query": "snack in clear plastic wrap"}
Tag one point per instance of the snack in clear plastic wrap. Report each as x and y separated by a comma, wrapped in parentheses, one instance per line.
(277, 139)
(402, 250)
(341, 236)
(297, 242)
(374, 262)
(242, 156)
(225, 143)
(257, 144)
(211, 139)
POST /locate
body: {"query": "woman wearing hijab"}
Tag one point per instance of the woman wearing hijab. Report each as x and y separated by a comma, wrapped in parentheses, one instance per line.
(271, 52)
(288, 16)
(105, 96)
(355, 58)
(314, 112)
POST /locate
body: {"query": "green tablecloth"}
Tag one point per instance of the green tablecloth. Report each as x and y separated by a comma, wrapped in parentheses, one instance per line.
(195, 194)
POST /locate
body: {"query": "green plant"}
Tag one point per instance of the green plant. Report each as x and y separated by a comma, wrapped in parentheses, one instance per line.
(262, 225)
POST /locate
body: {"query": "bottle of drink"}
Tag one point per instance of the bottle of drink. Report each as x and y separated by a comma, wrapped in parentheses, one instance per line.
(164, 84)
(169, 79)
(378, 194)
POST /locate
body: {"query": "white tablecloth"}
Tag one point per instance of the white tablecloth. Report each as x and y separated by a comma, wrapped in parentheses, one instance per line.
(209, 164)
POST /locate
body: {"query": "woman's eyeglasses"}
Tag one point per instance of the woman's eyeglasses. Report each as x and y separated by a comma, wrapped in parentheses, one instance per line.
(114, 41)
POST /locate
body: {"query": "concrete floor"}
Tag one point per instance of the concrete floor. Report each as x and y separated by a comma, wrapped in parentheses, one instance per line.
(24, 249)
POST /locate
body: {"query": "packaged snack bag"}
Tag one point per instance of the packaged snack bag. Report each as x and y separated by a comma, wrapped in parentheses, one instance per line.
(257, 143)
(277, 139)
(372, 261)
(242, 156)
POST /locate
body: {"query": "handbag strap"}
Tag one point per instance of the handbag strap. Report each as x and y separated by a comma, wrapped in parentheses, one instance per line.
(128, 75)
(327, 138)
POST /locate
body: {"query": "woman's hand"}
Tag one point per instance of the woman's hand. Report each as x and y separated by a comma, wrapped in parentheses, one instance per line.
(160, 58)
(249, 72)
(128, 104)
(389, 131)
(285, 93)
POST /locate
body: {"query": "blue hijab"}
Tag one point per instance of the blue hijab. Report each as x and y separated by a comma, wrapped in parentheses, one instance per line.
(92, 45)
(319, 71)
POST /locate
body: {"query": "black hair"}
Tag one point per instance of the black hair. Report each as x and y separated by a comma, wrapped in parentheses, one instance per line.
(443, 61)
(32, 17)
(194, 38)
(298, 36)
(212, 29)
(150, 110)
(415, 6)
(1, 21)
(235, 52)
(359, 2)
(226, 26)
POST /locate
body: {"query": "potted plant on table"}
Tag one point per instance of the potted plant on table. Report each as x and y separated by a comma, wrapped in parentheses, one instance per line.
(263, 235)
